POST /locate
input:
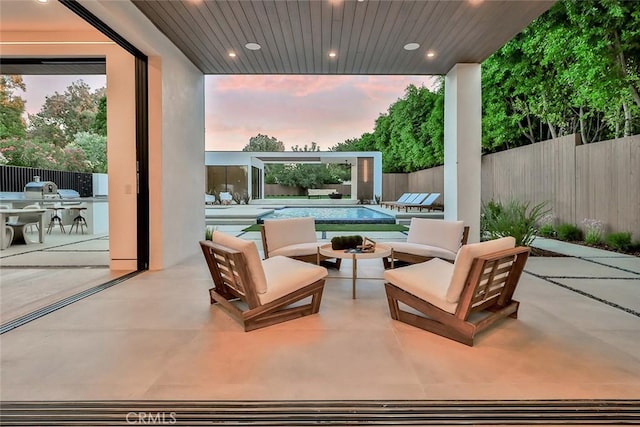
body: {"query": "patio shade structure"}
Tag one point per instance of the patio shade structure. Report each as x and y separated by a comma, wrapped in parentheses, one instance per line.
(183, 40)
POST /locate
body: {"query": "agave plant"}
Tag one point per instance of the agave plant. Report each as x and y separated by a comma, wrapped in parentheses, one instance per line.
(514, 219)
(208, 233)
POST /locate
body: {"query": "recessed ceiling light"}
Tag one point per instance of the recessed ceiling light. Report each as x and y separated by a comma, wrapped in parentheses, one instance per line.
(232, 54)
(253, 46)
(332, 54)
(430, 54)
(411, 46)
(43, 1)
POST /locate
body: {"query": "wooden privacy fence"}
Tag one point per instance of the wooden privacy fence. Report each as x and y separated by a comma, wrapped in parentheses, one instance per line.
(594, 181)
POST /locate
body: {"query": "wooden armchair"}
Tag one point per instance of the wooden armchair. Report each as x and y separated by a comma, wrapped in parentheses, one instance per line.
(294, 238)
(267, 288)
(427, 239)
(459, 300)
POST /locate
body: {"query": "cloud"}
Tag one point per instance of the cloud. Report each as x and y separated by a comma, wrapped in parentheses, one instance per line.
(293, 85)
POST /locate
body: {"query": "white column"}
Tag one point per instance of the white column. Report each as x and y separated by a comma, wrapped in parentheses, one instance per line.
(377, 174)
(354, 179)
(462, 146)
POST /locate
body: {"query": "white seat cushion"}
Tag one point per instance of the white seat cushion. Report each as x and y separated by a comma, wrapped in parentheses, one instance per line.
(297, 250)
(250, 251)
(465, 258)
(428, 281)
(422, 250)
(285, 275)
(436, 232)
(286, 232)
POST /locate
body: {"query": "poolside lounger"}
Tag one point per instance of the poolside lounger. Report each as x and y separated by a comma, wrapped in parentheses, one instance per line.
(418, 198)
(425, 204)
(401, 199)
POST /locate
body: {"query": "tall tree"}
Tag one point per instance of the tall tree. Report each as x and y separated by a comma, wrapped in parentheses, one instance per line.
(64, 115)
(575, 69)
(410, 135)
(100, 120)
(94, 147)
(313, 147)
(11, 107)
(264, 143)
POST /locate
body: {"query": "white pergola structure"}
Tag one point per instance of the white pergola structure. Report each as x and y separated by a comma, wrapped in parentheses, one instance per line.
(175, 43)
(366, 166)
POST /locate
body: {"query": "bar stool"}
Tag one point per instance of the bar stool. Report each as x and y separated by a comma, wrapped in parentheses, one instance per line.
(55, 219)
(79, 222)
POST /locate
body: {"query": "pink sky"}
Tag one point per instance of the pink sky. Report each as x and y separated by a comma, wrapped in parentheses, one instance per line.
(296, 109)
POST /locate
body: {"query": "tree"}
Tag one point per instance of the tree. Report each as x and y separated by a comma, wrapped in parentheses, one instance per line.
(410, 135)
(264, 143)
(64, 115)
(11, 107)
(38, 154)
(575, 69)
(313, 147)
(306, 175)
(100, 120)
(94, 149)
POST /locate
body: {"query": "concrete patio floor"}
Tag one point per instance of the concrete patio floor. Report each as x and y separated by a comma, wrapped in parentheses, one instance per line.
(32, 276)
(155, 336)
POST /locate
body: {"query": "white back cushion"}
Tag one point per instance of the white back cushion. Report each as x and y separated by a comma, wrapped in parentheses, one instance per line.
(436, 232)
(250, 251)
(285, 232)
(465, 258)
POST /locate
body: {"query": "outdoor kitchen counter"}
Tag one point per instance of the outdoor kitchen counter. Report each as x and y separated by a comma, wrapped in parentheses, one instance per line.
(97, 212)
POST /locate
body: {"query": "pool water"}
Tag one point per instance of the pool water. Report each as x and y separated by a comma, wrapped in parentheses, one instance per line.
(332, 215)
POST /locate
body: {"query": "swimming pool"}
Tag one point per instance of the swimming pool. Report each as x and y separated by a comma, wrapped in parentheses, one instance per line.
(332, 215)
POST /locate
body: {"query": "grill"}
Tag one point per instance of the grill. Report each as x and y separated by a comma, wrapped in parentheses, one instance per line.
(37, 189)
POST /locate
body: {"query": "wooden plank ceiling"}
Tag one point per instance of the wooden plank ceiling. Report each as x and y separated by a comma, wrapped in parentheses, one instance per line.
(296, 36)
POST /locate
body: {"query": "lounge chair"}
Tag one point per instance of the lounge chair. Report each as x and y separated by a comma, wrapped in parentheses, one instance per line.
(294, 238)
(225, 198)
(418, 198)
(401, 199)
(268, 288)
(427, 203)
(450, 297)
(427, 239)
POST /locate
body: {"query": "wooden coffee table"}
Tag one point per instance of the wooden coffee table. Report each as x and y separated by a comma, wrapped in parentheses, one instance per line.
(381, 251)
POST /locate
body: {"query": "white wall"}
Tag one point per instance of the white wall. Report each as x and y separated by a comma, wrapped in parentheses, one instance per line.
(176, 135)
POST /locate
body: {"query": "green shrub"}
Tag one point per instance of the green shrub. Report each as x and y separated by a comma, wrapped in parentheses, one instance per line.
(491, 209)
(208, 233)
(620, 241)
(546, 230)
(568, 232)
(514, 219)
(592, 238)
(594, 231)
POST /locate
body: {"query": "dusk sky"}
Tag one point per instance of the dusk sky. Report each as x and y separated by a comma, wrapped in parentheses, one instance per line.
(294, 109)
